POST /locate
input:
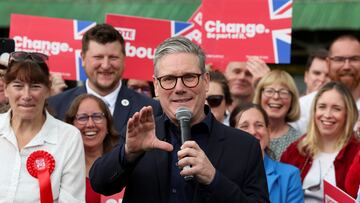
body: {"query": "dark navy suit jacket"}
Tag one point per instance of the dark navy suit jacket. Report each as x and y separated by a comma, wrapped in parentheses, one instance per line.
(235, 154)
(59, 104)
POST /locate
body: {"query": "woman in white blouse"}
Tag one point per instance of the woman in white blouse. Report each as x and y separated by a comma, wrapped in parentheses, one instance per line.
(34, 146)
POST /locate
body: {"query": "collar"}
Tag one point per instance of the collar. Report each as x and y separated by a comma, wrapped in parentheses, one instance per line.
(269, 166)
(48, 132)
(109, 99)
(206, 122)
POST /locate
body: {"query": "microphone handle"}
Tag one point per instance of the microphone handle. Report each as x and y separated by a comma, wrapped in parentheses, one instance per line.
(185, 135)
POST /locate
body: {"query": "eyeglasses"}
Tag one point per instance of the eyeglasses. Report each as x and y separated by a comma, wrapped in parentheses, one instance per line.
(169, 82)
(97, 118)
(214, 100)
(340, 60)
(22, 55)
(283, 93)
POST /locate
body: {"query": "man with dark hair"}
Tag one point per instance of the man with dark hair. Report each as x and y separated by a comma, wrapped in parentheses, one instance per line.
(156, 165)
(316, 70)
(103, 55)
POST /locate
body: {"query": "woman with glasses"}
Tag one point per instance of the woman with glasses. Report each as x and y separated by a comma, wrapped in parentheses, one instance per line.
(92, 117)
(277, 94)
(328, 149)
(44, 157)
(218, 97)
(284, 183)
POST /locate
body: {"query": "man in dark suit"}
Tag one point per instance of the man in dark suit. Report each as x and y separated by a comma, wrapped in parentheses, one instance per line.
(103, 54)
(226, 163)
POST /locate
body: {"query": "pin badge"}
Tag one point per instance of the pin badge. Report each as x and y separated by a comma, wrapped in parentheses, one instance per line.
(125, 102)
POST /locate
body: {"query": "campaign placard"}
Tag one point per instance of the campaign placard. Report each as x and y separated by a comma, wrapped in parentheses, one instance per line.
(196, 30)
(238, 29)
(142, 36)
(333, 194)
(58, 38)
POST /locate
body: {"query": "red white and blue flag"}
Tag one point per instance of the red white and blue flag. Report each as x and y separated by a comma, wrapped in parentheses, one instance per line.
(238, 29)
(61, 41)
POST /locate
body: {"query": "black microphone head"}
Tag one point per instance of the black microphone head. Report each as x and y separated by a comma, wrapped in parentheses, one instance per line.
(183, 113)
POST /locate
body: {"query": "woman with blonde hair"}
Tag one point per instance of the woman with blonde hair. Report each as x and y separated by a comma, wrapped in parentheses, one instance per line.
(329, 147)
(277, 94)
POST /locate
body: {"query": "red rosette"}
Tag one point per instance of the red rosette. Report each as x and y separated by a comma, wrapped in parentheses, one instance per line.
(40, 165)
(38, 161)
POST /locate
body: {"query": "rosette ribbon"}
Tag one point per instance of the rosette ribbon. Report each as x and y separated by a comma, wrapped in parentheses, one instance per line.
(40, 164)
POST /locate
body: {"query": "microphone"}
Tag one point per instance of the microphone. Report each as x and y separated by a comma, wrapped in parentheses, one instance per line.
(183, 115)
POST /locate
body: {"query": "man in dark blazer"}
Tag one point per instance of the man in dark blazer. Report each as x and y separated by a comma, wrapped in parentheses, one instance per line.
(103, 54)
(152, 161)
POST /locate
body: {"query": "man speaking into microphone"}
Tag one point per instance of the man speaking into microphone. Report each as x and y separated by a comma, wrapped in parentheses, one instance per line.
(175, 159)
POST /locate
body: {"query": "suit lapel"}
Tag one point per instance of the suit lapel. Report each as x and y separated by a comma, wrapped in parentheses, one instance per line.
(215, 145)
(80, 90)
(214, 150)
(270, 171)
(161, 160)
(122, 107)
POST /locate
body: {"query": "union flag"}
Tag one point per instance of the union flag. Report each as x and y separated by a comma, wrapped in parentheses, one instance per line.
(238, 29)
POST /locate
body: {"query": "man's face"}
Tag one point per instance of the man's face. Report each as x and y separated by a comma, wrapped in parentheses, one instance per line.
(344, 63)
(104, 65)
(317, 75)
(240, 79)
(175, 65)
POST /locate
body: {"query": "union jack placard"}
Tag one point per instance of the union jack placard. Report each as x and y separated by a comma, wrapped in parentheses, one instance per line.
(238, 29)
(61, 41)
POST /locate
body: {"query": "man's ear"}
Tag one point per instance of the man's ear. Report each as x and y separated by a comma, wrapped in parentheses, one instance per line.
(207, 81)
(306, 75)
(82, 54)
(156, 86)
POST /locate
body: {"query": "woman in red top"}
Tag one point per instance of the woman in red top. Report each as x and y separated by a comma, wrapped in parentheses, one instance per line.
(92, 117)
(329, 147)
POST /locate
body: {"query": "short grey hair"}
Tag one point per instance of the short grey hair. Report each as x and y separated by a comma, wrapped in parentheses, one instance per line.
(179, 44)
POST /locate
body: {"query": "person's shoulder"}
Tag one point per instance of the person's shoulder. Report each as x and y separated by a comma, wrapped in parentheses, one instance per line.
(287, 168)
(307, 98)
(353, 147)
(60, 125)
(4, 117)
(68, 93)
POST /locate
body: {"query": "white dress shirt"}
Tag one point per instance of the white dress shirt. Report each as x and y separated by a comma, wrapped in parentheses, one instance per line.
(63, 142)
(109, 99)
